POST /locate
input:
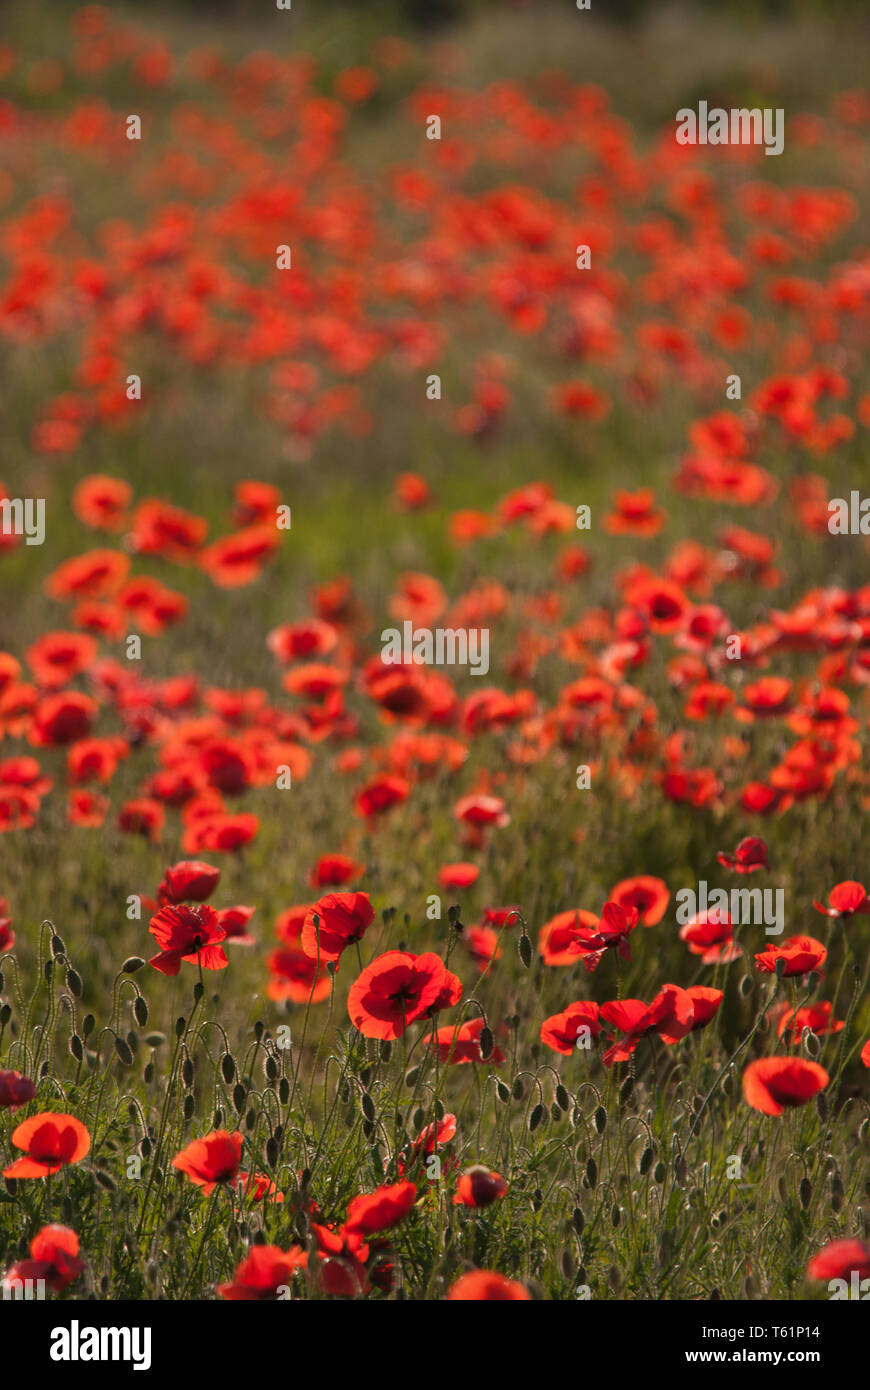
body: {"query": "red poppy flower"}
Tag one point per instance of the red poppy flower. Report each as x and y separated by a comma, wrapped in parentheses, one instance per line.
(671, 1015)
(845, 900)
(341, 919)
(264, 1272)
(221, 834)
(295, 976)
(612, 933)
(50, 1141)
(332, 870)
(411, 492)
(397, 989)
(187, 934)
(257, 1187)
(558, 939)
(458, 875)
(839, 1259)
(749, 856)
(705, 1005)
(379, 1210)
(710, 935)
(7, 935)
(378, 796)
(649, 895)
(482, 945)
(486, 1286)
(15, 1090)
(255, 502)
(143, 816)
(773, 1084)
(461, 1044)
(97, 574)
(56, 658)
(865, 1053)
(561, 1031)
(214, 1158)
(188, 881)
(816, 1017)
(479, 809)
(479, 1187)
(635, 514)
(54, 1259)
(800, 953)
(101, 502)
(234, 922)
(62, 718)
(338, 1265)
(298, 641)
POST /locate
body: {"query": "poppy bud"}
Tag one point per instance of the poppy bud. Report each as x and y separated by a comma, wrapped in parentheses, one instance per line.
(57, 946)
(180, 1025)
(487, 1042)
(591, 1172)
(187, 1072)
(272, 1150)
(148, 1073)
(140, 1011)
(806, 1192)
(88, 1025)
(601, 1119)
(660, 1172)
(47, 969)
(228, 1068)
(566, 1264)
(131, 965)
(367, 1106)
(123, 1050)
(73, 981)
(626, 1089)
(76, 1047)
(563, 1100)
(646, 1160)
(239, 1095)
(502, 1092)
(537, 1117)
(271, 1069)
(284, 1090)
(525, 950)
(154, 1039)
(578, 1220)
(615, 1215)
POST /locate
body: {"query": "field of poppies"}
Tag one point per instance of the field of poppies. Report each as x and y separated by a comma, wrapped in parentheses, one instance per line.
(434, 659)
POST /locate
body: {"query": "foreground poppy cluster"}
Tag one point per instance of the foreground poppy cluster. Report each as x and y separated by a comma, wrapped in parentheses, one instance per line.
(509, 1085)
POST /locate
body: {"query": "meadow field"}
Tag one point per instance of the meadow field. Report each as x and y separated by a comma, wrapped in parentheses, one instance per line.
(326, 339)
